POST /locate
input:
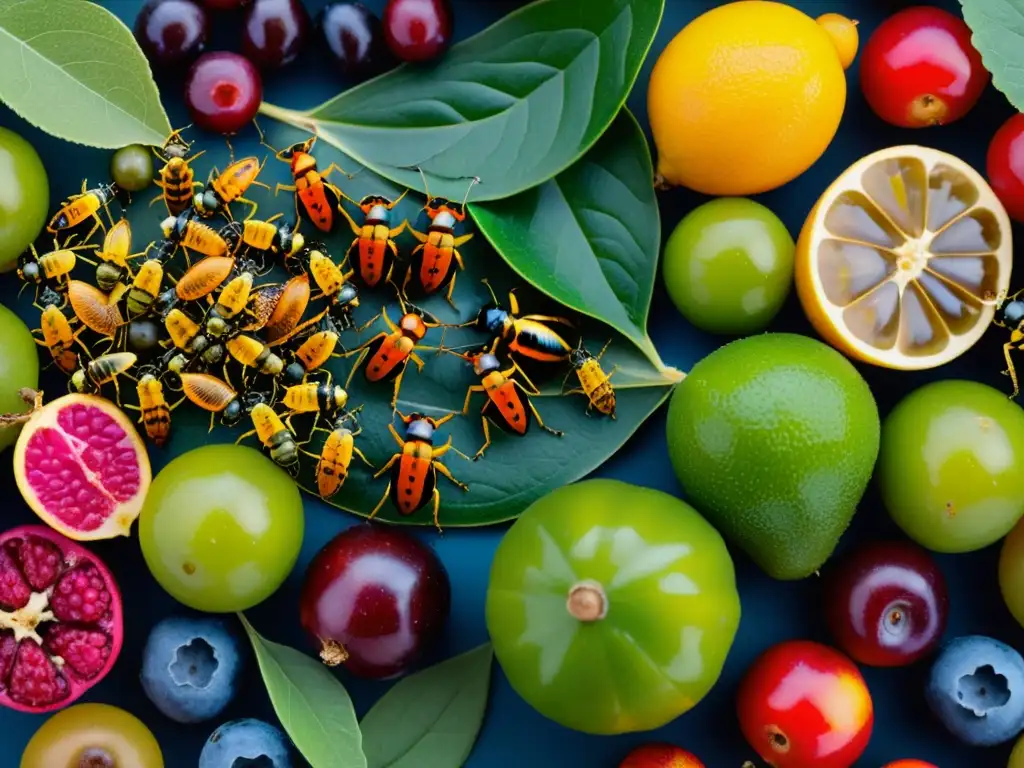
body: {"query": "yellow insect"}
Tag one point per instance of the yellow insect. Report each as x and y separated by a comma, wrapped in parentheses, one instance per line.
(177, 179)
(313, 353)
(265, 236)
(106, 368)
(335, 457)
(231, 303)
(253, 353)
(275, 437)
(192, 235)
(58, 338)
(216, 396)
(313, 398)
(52, 269)
(114, 256)
(228, 187)
(595, 384)
(326, 274)
(82, 207)
(145, 288)
(154, 410)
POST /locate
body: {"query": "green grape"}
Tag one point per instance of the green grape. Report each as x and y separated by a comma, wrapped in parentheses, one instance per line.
(25, 197)
(131, 168)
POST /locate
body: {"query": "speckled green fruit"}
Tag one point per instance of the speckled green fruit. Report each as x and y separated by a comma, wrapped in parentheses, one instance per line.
(773, 438)
(728, 266)
(19, 367)
(24, 197)
(131, 168)
(612, 607)
(951, 466)
(221, 528)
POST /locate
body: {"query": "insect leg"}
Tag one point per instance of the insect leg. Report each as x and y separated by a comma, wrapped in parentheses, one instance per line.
(536, 413)
(533, 390)
(245, 435)
(252, 204)
(363, 352)
(362, 456)
(447, 473)
(451, 287)
(441, 450)
(463, 240)
(398, 386)
(437, 508)
(386, 467)
(356, 229)
(382, 500)
(1010, 369)
(469, 396)
(487, 437)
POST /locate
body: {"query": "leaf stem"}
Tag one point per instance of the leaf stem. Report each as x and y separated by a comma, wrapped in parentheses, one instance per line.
(288, 116)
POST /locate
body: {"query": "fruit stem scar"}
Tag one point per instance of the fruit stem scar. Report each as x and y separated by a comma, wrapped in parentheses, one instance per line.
(587, 601)
(332, 653)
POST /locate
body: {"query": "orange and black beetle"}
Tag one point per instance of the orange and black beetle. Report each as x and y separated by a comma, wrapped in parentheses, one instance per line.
(372, 254)
(313, 192)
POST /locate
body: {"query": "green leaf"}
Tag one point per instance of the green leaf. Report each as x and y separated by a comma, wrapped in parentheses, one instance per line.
(430, 719)
(998, 27)
(75, 71)
(514, 105)
(314, 708)
(589, 238)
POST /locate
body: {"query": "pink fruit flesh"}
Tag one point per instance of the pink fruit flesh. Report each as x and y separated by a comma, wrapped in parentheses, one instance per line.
(60, 620)
(81, 471)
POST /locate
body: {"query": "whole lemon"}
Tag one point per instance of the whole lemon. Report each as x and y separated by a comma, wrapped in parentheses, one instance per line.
(746, 97)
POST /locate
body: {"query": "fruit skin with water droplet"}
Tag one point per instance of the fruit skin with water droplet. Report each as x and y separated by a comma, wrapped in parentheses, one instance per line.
(61, 623)
(96, 443)
(974, 688)
(574, 576)
(109, 735)
(951, 465)
(803, 704)
(919, 68)
(19, 368)
(192, 667)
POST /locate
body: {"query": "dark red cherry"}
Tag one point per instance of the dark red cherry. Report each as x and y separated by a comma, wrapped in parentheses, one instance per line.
(223, 91)
(171, 32)
(374, 598)
(355, 37)
(274, 32)
(886, 603)
(418, 30)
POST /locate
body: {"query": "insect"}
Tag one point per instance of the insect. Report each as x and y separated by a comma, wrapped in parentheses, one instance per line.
(277, 438)
(199, 281)
(372, 254)
(145, 288)
(58, 338)
(52, 269)
(318, 399)
(263, 236)
(230, 304)
(217, 396)
(313, 192)
(177, 179)
(313, 352)
(82, 207)
(113, 257)
(105, 368)
(390, 353)
(595, 384)
(334, 285)
(289, 309)
(335, 457)
(188, 343)
(525, 335)
(253, 353)
(1011, 317)
(96, 310)
(436, 258)
(185, 232)
(508, 400)
(413, 482)
(154, 410)
(228, 187)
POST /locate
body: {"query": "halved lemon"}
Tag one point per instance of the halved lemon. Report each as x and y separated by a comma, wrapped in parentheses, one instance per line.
(903, 260)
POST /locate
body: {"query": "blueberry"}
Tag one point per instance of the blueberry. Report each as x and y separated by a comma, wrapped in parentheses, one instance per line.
(246, 742)
(976, 688)
(191, 667)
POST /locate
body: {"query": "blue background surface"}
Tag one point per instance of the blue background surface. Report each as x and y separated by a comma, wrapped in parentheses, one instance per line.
(513, 734)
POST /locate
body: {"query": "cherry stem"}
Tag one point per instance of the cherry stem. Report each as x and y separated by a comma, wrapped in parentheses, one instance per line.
(332, 653)
(587, 602)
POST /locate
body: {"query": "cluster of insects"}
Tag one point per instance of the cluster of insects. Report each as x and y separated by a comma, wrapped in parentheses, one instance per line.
(188, 318)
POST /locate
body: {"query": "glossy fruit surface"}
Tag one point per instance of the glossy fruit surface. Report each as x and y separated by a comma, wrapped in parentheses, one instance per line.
(246, 742)
(1011, 571)
(192, 666)
(901, 259)
(728, 266)
(951, 465)
(886, 603)
(660, 756)
(803, 704)
(81, 465)
(713, 115)
(919, 68)
(799, 413)
(418, 30)
(19, 368)
(1005, 165)
(355, 37)
(274, 32)
(108, 736)
(974, 689)
(225, 5)
(223, 91)
(24, 206)
(61, 624)
(910, 764)
(373, 599)
(171, 32)
(845, 37)
(1017, 756)
(221, 528)
(131, 167)
(574, 577)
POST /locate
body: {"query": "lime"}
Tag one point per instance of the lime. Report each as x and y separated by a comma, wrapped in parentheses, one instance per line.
(24, 197)
(728, 266)
(951, 467)
(773, 437)
(19, 367)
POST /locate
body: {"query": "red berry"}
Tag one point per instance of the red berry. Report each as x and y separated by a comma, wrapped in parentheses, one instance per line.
(274, 32)
(223, 92)
(171, 32)
(886, 604)
(1005, 165)
(418, 30)
(355, 38)
(374, 598)
(804, 704)
(919, 68)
